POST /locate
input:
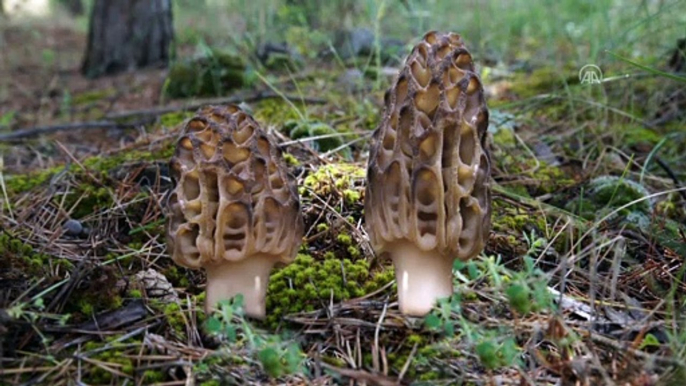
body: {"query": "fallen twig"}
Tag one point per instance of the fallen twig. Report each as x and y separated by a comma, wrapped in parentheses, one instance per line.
(195, 104)
(109, 119)
(363, 376)
(39, 130)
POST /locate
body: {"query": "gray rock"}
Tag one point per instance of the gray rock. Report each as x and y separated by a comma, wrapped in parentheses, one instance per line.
(279, 56)
(72, 228)
(362, 42)
(351, 80)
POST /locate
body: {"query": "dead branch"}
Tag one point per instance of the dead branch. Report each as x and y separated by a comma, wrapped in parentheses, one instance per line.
(40, 130)
(197, 103)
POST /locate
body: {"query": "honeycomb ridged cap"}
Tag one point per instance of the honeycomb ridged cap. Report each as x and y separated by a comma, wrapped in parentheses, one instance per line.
(232, 196)
(429, 166)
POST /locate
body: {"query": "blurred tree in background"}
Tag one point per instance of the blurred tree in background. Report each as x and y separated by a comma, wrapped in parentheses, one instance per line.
(128, 34)
(75, 7)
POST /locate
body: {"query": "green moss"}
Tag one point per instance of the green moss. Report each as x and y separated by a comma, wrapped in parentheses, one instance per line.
(213, 75)
(20, 256)
(176, 276)
(151, 376)
(93, 96)
(85, 199)
(504, 137)
(86, 195)
(515, 219)
(98, 296)
(85, 307)
(354, 252)
(351, 196)
(307, 282)
(542, 80)
(290, 159)
(113, 357)
(173, 315)
(276, 111)
(606, 194)
(20, 183)
(334, 177)
(174, 118)
(637, 134)
(541, 178)
(344, 239)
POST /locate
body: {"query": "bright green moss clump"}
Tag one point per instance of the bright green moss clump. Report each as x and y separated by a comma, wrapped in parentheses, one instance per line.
(345, 178)
(276, 111)
(174, 118)
(538, 177)
(542, 80)
(19, 183)
(17, 255)
(114, 358)
(307, 283)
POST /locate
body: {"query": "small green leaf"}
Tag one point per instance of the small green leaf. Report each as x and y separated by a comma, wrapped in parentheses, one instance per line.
(449, 329)
(518, 296)
(230, 333)
(473, 270)
(649, 341)
(7, 118)
(488, 354)
(270, 361)
(432, 322)
(213, 325)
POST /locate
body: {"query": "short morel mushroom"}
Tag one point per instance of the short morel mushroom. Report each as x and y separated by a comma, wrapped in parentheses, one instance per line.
(233, 210)
(428, 197)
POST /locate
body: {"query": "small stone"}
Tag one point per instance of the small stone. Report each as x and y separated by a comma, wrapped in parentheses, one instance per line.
(72, 228)
(352, 80)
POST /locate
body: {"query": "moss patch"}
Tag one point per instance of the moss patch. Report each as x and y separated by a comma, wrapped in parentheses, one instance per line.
(212, 75)
(344, 178)
(308, 284)
(606, 194)
(17, 256)
(277, 111)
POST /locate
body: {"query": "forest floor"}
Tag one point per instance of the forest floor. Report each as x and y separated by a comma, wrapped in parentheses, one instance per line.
(582, 281)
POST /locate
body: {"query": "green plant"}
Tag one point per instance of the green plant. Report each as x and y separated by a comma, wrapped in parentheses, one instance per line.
(278, 357)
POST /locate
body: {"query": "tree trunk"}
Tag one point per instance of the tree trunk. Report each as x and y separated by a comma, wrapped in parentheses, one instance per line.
(75, 7)
(128, 34)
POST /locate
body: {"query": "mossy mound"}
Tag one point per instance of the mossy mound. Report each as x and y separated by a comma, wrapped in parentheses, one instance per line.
(608, 194)
(277, 111)
(543, 80)
(213, 74)
(346, 180)
(19, 258)
(309, 284)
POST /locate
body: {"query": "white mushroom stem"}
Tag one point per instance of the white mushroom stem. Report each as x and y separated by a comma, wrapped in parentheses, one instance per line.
(422, 277)
(249, 277)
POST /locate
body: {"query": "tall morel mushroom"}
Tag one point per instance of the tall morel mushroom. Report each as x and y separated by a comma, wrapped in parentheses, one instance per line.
(233, 211)
(428, 197)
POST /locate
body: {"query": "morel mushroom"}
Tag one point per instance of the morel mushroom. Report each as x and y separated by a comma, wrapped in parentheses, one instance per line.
(428, 197)
(234, 211)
